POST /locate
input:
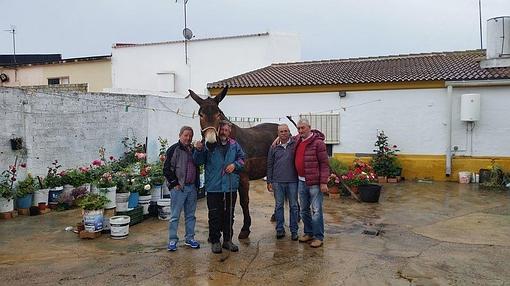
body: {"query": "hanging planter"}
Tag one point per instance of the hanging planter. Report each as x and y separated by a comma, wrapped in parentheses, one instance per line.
(16, 143)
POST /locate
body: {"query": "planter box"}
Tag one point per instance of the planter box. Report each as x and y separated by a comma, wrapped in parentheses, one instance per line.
(135, 214)
(381, 179)
(392, 180)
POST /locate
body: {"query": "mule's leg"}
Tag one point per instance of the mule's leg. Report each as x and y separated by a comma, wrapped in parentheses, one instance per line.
(244, 200)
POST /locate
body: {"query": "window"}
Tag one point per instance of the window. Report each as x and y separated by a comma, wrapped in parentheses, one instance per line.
(329, 124)
(58, 80)
(53, 81)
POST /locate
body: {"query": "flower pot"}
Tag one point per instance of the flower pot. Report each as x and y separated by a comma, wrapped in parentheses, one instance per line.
(16, 144)
(93, 220)
(333, 190)
(111, 194)
(156, 193)
(54, 194)
(144, 201)
(6, 205)
(40, 196)
(41, 206)
(369, 193)
(381, 179)
(133, 200)
(24, 202)
(121, 200)
(392, 180)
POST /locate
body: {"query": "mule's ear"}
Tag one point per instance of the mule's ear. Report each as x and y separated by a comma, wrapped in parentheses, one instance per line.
(221, 95)
(195, 97)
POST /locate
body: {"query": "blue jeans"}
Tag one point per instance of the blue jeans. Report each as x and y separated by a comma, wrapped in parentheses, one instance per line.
(310, 201)
(289, 190)
(186, 199)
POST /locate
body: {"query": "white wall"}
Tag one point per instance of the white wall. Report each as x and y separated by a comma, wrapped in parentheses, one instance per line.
(68, 127)
(134, 69)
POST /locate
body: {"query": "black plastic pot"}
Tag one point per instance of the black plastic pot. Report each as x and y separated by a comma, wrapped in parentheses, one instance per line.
(16, 144)
(369, 193)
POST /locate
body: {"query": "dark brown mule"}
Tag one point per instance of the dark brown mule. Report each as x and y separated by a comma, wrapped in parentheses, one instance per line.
(255, 142)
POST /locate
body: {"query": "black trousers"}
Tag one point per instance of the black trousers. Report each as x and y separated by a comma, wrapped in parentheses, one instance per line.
(221, 215)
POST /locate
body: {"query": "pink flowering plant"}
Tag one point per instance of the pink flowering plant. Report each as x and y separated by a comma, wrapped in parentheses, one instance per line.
(360, 173)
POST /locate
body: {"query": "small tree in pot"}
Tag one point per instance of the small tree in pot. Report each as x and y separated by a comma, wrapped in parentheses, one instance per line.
(25, 191)
(93, 208)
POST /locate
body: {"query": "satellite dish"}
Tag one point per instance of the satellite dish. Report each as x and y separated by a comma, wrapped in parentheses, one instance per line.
(187, 33)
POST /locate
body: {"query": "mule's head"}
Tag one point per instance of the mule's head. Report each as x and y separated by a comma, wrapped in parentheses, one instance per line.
(210, 114)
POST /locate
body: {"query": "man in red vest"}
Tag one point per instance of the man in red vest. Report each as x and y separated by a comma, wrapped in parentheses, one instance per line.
(312, 166)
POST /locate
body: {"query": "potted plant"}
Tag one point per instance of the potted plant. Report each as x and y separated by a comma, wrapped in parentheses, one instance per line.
(25, 191)
(107, 185)
(6, 193)
(385, 159)
(93, 208)
(361, 179)
(157, 180)
(53, 182)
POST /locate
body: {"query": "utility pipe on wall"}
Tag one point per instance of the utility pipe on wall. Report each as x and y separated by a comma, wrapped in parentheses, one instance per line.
(449, 89)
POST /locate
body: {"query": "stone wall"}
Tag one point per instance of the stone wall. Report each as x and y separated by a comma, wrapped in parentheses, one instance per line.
(59, 88)
(68, 127)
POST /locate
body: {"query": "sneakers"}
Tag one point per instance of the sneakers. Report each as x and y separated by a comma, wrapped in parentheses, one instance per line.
(316, 243)
(192, 243)
(294, 236)
(280, 234)
(172, 246)
(216, 247)
(305, 238)
(230, 246)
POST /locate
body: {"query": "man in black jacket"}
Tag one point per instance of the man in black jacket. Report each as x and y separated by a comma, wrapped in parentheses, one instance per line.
(182, 175)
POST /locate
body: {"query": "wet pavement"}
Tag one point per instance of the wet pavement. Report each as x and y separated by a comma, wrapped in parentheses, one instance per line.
(428, 234)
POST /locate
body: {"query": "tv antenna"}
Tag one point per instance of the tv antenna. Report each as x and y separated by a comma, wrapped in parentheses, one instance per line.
(12, 30)
(186, 32)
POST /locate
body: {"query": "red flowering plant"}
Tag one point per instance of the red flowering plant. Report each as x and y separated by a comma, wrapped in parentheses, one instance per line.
(7, 179)
(360, 173)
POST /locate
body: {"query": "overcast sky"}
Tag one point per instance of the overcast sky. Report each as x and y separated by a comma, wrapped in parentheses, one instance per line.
(328, 29)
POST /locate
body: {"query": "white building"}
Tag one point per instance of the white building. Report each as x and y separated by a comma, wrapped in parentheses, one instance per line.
(415, 99)
(162, 71)
(162, 68)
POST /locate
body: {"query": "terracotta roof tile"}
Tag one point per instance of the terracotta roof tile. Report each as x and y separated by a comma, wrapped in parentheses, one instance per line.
(447, 66)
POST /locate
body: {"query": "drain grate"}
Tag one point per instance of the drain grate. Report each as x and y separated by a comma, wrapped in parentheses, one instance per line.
(372, 232)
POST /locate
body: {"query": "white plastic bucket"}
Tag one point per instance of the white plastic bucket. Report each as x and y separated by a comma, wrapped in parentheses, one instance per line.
(144, 201)
(464, 177)
(40, 196)
(119, 226)
(156, 193)
(122, 201)
(6, 205)
(111, 195)
(93, 220)
(164, 209)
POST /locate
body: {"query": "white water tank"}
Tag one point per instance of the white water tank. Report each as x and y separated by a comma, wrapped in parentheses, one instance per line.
(498, 37)
(470, 107)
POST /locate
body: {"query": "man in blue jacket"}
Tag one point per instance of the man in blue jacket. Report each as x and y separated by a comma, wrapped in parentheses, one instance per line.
(223, 161)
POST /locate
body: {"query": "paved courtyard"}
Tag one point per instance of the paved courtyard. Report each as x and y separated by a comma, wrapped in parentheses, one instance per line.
(430, 234)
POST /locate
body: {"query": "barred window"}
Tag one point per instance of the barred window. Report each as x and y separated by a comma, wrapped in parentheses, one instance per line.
(329, 124)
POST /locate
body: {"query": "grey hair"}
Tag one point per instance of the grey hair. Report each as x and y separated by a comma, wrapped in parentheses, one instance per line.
(304, 121)
(184, 128)
(226, 122)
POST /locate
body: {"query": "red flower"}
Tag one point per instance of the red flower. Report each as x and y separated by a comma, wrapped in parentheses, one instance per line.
(111, 158)
(23, 165)
(97, 162)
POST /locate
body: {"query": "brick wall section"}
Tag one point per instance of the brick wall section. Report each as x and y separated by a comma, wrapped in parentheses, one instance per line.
(59, 88)
(69, 127)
